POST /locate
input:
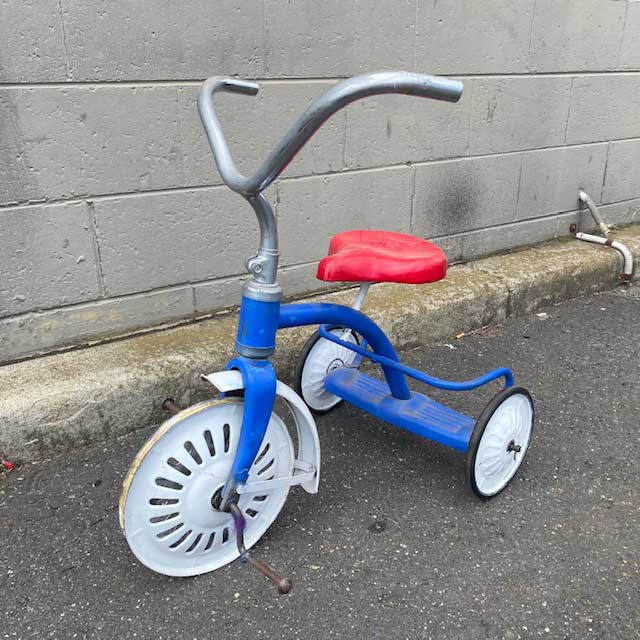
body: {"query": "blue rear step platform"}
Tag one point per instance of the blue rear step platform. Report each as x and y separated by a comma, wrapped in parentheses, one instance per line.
(419, 414)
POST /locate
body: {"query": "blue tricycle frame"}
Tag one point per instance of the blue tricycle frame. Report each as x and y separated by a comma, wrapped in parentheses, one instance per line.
(197, 474)
(390, 400)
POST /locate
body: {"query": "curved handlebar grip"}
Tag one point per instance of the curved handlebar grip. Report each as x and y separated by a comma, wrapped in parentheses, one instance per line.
(234, 86)
(424, 86)
(322, 108)
(211, 124)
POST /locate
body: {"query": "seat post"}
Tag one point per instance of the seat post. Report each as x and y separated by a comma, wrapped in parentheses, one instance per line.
(361, 295)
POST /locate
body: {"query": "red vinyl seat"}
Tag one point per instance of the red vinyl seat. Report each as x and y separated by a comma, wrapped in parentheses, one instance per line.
(382, 256)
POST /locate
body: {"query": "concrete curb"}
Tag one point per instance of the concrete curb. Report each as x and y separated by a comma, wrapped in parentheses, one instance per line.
(58, 402)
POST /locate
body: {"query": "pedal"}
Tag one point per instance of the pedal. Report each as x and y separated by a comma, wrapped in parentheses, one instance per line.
(282, 583)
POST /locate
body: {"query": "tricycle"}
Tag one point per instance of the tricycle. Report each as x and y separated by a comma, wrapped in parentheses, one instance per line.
(213, 478)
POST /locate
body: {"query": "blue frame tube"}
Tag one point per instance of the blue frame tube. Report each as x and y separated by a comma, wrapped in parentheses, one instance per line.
(438, 383)
(310, 313)
(257, 333)
(257, 326)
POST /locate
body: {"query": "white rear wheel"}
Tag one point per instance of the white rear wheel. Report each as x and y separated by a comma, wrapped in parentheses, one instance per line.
(166, 510)
(500, 441)
(318, 358)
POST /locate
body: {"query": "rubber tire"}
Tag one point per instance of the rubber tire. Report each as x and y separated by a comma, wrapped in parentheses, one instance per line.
(297, 375)
(478, 432)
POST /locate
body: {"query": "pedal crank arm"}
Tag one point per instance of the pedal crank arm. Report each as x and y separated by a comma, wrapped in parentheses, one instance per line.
(282, 583)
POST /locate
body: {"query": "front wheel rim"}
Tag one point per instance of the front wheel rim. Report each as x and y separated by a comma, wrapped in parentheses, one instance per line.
(166, 508)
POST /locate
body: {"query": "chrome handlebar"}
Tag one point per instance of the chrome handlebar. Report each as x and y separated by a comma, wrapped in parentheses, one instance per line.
(322, 108)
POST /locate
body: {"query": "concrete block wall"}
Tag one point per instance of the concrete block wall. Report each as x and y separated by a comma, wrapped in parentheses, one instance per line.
(113, 218)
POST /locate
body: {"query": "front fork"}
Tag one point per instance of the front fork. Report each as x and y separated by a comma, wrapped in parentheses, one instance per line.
(259, 395)
(260, 317)
(255, 342)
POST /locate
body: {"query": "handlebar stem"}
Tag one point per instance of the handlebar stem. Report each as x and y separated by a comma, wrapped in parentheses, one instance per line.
(264, 265)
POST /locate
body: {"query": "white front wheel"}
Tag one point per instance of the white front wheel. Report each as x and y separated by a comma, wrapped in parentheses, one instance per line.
(499, 442)
(166, 507)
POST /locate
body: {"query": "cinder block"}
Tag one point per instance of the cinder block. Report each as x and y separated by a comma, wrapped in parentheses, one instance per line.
(484, 242)
(333, 38)
(623, 171)
(41, 332)
(551, 178)
(452, 247)
(463, 36)
(223, 293)
(301, 279)
(511, 114)
(94, 140)
(47, 258)
(576, 36)
(565, 221)
(312, 210)
(395, 129)
(130, 40)
(630, 50)
(604, 107)
(18, 180)
(459, 195)
(254, 125)
(157, 240)
(32, 37)
(620, 213)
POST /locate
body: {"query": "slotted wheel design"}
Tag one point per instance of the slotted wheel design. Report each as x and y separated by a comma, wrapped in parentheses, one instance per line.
(500, 441)
(166, 509)
(318, 358)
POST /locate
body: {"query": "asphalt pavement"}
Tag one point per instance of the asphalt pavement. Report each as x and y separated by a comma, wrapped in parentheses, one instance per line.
(395, 545)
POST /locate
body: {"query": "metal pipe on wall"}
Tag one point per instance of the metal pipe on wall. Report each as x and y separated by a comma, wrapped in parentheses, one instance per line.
(627, 271)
